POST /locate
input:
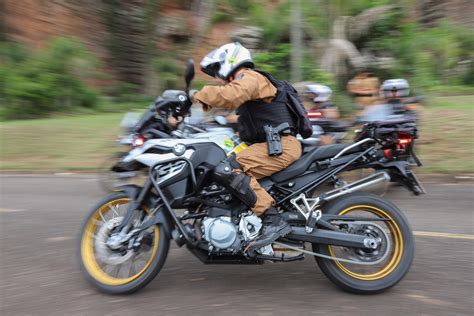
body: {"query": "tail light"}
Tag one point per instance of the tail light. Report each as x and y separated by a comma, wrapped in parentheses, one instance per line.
(315, 114)
(138, 141)
(400, 148)
(404, 141)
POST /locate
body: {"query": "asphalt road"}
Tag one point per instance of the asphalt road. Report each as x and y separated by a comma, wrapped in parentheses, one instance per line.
(41, 217)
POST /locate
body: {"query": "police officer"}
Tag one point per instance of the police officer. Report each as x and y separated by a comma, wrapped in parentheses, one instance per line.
(256, 101)
(364, 87)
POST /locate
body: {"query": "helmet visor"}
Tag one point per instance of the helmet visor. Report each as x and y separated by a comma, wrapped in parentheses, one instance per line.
(211, 63)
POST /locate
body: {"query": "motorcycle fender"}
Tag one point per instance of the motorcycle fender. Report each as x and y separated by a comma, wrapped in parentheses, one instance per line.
(408, 178)
(159, 218)
(130, 189)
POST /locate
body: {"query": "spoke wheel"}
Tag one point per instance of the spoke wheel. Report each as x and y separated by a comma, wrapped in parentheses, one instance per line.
(387, 254)
(390, 257)
(121, 268)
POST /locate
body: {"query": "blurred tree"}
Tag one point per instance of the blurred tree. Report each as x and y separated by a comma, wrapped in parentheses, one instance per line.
(3, 27)
(296, 41)
(203, 10)
(132, 28)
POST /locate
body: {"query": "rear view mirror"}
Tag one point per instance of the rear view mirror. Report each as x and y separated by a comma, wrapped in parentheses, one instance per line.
(189, 74)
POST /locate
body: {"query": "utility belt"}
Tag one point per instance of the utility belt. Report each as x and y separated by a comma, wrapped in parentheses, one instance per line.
(273, 137)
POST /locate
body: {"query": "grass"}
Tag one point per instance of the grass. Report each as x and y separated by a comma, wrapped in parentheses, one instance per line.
(82, 142)
(54, 144)
(446, 143)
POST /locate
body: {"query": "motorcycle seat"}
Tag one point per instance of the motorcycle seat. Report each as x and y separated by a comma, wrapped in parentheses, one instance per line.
(302, 164)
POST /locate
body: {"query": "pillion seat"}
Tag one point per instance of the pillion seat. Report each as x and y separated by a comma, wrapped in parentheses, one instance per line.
(302, 164)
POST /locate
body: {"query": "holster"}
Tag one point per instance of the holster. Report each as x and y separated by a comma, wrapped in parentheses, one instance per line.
(273, 137)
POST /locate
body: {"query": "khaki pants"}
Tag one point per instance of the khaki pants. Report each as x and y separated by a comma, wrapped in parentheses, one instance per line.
(257, 164)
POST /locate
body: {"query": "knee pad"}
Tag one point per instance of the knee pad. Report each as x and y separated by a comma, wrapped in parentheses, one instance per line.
(237, 182)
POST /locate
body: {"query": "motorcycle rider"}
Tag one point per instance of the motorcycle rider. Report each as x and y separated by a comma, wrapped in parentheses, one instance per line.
(257, 102)
(317, 97)
(364, 87)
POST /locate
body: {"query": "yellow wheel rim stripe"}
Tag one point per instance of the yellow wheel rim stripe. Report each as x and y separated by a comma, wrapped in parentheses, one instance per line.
(88, 255)
(398, 247)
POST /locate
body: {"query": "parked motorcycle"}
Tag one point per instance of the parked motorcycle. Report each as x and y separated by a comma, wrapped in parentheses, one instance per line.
(361, 242)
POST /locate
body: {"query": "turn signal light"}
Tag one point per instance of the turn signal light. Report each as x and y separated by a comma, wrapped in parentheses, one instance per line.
(138, 141)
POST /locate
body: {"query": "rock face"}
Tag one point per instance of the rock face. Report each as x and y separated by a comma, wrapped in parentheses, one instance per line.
(459, 12)
(174, 27)
(117, 32)
(249, 36)
(35, 22)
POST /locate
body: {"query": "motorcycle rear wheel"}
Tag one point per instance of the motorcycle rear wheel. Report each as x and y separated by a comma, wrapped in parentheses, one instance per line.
(394, 266)
(117, 272)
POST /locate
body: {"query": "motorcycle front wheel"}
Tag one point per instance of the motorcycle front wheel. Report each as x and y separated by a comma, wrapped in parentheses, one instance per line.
(387, 264)
(121, 270)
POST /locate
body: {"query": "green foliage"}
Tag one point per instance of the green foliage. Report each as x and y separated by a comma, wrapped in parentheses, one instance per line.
(277, 62)
(241, 6)
(169, 72)
(429, 57)
(275, 24)
(227, 10)
(358, 6)
(51, 80)
(221, 17)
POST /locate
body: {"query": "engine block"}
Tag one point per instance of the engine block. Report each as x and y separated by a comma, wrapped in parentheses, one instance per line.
(221, 233)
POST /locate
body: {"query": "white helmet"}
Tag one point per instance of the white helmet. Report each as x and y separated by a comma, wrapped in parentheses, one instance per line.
(222, 62)
(322, 92)
(395, 88)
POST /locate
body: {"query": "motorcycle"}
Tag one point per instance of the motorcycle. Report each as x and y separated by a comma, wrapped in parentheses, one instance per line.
(323, 115)
(323, 125)
(153, 124)
(361, 242)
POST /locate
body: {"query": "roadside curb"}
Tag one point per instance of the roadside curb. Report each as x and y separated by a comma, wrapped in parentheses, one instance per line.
(426, 178)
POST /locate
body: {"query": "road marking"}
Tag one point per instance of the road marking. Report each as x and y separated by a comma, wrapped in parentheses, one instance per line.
(198, 279)
(443, 235)
(427, 300)
(10, 210)
(55, 239)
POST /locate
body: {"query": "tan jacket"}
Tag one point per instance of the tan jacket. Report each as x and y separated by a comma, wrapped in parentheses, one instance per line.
(365, 89)
(247, 86)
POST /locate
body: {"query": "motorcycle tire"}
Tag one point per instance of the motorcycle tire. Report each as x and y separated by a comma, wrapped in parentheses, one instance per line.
(91, 262)
(349, 276)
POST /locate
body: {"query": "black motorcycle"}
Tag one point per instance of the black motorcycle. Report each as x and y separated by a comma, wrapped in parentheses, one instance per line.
(362, 242)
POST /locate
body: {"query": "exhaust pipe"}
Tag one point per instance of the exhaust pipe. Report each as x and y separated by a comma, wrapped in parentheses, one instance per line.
(307, 207)
(358, 185)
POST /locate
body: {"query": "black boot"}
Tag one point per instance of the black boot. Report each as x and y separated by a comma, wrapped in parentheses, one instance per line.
(274, 227)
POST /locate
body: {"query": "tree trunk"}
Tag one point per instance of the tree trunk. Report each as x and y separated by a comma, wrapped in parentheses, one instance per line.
(296, 41)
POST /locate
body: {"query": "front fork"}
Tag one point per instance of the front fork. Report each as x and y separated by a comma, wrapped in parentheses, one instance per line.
(124, 232)
(162, 214)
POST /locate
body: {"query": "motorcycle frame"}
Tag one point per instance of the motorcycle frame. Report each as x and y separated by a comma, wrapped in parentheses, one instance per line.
(165, 216)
